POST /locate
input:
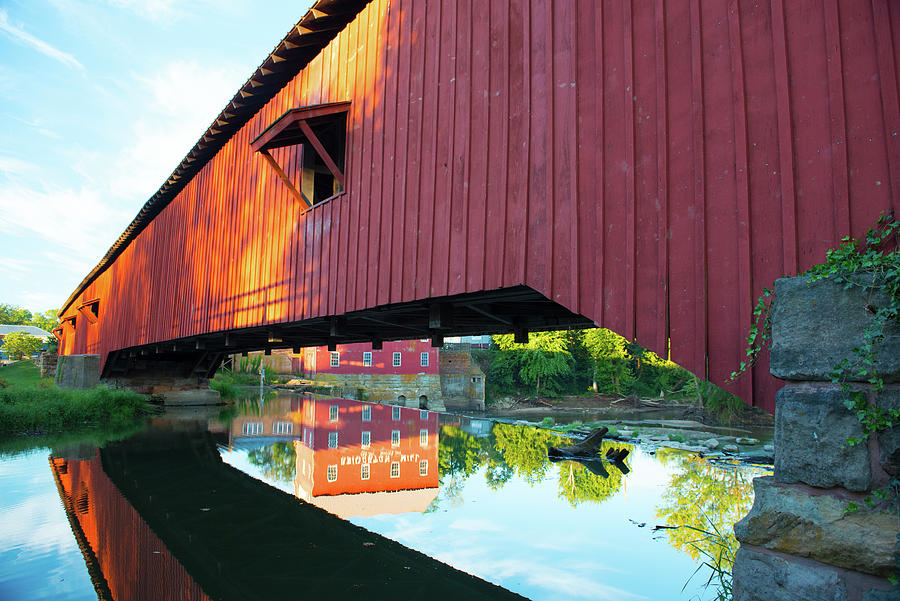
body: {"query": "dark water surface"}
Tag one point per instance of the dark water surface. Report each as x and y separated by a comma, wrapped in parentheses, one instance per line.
(188, 509)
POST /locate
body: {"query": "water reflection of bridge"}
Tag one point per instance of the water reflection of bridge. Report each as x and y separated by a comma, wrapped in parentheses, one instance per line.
(162, 516)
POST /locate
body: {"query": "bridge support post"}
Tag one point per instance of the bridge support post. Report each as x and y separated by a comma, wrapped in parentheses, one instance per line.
(179, 377)
(78, 371)
(810, 533)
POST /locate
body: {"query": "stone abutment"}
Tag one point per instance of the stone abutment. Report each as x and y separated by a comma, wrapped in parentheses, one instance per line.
(811, 533)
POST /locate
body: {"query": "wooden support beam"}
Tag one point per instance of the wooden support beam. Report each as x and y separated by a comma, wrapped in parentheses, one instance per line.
(317, 144)
(284, 178)
(338, 326)
(520, 335)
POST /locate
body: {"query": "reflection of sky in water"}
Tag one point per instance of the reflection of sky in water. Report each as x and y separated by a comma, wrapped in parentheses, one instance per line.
(39, 558)
(526, 538)
(529, 539)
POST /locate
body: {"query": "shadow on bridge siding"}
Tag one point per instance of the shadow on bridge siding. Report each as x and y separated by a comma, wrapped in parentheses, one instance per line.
(224, 535)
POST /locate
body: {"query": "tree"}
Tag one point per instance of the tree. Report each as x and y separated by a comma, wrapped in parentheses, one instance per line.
(19, 344)
(545, 359)
(278, 460)
(14, 316)
(45, 321)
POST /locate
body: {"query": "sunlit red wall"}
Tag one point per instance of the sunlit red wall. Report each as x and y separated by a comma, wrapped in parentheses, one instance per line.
(134, 561)
(648, 164)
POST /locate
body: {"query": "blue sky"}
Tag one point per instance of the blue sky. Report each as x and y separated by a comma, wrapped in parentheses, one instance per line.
(99, 102)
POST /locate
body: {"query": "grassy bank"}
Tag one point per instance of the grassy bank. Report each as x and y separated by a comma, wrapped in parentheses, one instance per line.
(30, 405)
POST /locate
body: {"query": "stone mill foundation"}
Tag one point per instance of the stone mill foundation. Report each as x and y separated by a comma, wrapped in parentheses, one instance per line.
(810, 534)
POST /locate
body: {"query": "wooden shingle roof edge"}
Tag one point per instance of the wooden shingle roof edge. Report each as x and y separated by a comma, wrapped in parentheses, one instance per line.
(305, 40)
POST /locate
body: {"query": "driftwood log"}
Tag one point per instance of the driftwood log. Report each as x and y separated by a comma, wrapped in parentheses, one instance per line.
(587, 448)
(587, 452)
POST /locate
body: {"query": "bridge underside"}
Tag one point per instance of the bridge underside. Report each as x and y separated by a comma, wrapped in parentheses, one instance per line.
(517, 310)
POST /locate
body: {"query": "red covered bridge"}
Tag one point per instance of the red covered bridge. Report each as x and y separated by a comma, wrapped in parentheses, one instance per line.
(412, 169)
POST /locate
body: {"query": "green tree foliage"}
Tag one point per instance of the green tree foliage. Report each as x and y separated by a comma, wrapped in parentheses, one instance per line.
(524, 449)
(20, 344)
(17, 316)
(578, 485)
(520, 451)
(569, 361)
(704, 502)
(544, 362)
(45, 321)
(278, 460)
(459, 453)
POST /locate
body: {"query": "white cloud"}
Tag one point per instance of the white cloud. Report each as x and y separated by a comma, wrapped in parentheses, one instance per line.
(184, 97)
(77, 220)
(14, 166)
(473, 525)
(20, 35)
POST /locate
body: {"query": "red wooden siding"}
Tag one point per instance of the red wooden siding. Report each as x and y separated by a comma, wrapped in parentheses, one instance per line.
(649, 165)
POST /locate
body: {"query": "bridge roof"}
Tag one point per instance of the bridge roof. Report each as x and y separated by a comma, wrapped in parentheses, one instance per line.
(305, 40)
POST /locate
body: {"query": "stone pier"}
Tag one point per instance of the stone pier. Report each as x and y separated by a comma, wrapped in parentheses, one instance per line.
(810, 534)
(171, 380)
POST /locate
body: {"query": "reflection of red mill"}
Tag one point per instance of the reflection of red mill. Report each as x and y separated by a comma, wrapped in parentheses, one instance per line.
(359, 459)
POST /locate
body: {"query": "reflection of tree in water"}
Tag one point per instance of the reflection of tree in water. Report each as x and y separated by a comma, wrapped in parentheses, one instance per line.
(524, 449)
(278, 460)
(517, 450)
(710, 499)
(578, 484)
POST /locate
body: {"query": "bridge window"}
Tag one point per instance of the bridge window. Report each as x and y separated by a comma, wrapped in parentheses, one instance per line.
(423, 438)
(423, 359)
(320, 132)
(395, 412)
(367, 359)
(333, 411)
(395, 438)
(396, 359)
(332, 440)
(395, 469)
(366, 439)
(331, 473)
(335, 359)
(423, 415)
(364, 471)
(423, 467)
(367, 413)
(90, 310)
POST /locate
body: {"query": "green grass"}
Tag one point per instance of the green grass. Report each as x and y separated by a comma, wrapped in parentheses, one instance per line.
(30, 405)
(21, 374)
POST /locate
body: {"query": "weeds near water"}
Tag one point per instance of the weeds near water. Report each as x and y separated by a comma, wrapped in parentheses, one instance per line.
(42, 410)
(718, 556)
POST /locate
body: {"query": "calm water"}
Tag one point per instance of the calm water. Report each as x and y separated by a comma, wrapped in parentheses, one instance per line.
(165, 515)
